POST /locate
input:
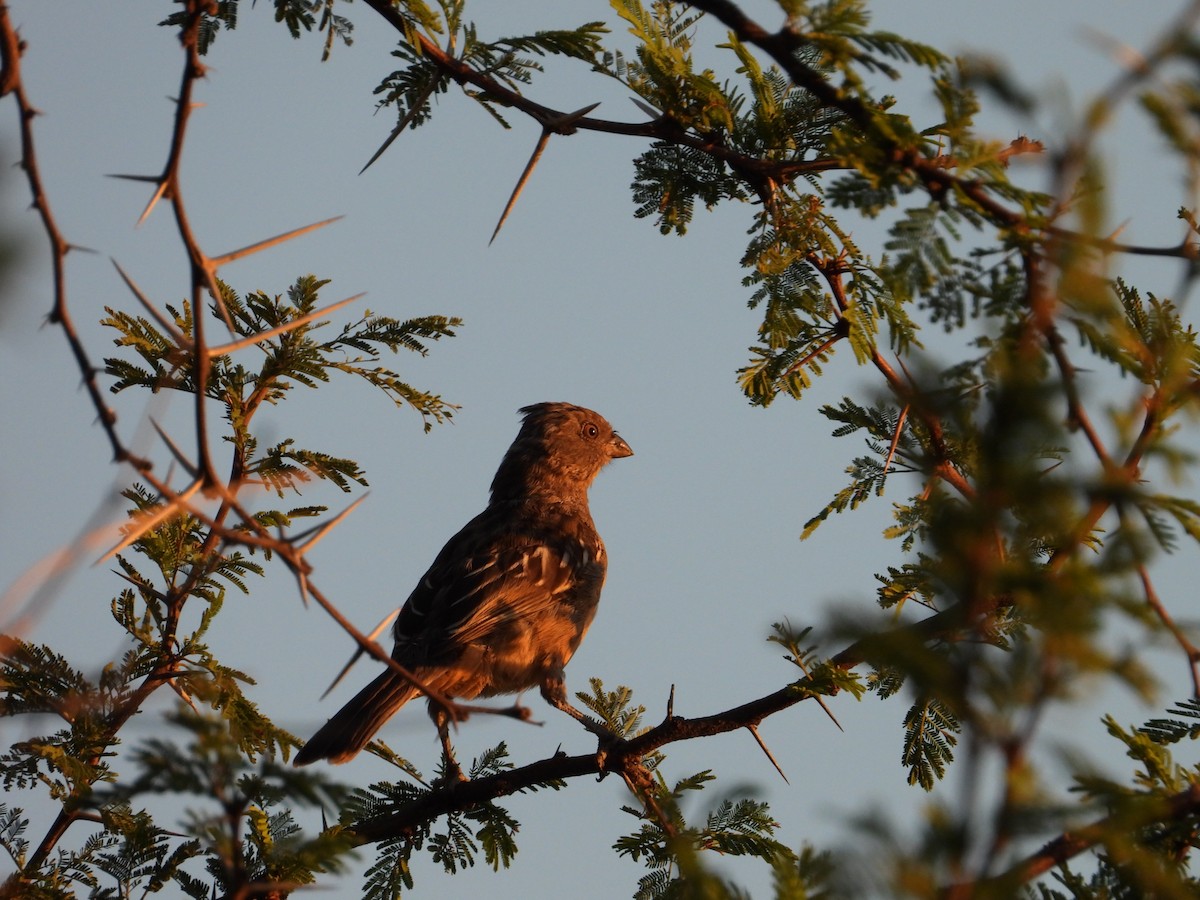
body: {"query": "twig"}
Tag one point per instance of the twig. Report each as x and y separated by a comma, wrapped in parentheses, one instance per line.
(944, 625)
(1185, 644)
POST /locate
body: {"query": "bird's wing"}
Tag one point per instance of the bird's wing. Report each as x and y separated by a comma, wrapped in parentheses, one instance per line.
(477, 585)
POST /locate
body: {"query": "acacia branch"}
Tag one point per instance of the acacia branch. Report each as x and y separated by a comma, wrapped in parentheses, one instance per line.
(753, 168)
(624, 756)
(784, 48)
(11, 50)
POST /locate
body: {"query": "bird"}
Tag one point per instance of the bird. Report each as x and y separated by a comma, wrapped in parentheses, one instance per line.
(509, 598)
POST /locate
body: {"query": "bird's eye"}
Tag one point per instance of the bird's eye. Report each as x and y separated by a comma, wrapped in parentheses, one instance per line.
(590, 430)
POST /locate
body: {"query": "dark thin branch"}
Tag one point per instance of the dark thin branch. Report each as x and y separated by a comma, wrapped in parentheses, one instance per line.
(11, 49)
(624, 755)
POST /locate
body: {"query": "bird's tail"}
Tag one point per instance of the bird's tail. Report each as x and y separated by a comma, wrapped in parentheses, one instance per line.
(353, 726)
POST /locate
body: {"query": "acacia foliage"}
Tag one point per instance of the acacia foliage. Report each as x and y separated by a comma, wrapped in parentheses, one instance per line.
(1027, 519)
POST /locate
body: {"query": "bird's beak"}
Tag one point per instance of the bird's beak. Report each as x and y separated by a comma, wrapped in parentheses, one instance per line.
(618, 447)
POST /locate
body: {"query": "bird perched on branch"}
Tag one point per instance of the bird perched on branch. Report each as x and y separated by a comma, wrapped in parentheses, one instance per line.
(508, 600)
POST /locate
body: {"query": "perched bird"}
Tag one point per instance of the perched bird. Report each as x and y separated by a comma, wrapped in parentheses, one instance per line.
(508, 600)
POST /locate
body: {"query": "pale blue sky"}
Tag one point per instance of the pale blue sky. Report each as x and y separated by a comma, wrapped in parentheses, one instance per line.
(574, 301)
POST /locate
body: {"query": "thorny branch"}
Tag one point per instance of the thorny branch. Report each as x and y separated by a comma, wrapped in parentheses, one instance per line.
(623, 755)
(12, 47)
(204, 477)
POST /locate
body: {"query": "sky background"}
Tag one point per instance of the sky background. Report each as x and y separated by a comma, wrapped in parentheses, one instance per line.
(574, 301)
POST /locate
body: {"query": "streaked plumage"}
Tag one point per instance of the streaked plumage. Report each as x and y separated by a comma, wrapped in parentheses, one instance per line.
(509, 598)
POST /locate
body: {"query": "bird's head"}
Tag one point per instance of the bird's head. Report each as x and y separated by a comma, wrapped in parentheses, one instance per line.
(561, 447)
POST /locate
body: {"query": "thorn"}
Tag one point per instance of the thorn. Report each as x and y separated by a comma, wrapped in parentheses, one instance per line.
(183, 695)
(1125, 56)
(158, 194)
(753, 729)
(327, 527)
(671, 703)
(646, 108)
(565, 124)
(175, 450)
(259, 337)
(182, 340)
(829, 712)
(413, 110)
(214, 291)
(302, 583)
(820, 700)
(387, 620)
(151, 179)
(140, 585)
(512, 200)
(149, 521)
(887, 463)
(218, 261)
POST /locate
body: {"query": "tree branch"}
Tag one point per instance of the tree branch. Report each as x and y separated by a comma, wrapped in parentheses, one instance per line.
(624, 756)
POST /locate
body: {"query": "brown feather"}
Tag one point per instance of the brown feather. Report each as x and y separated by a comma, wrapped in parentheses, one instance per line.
(509, 598)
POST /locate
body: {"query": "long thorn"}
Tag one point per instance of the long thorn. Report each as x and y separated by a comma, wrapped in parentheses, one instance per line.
(152, 520)
(182, 340)
(887, 463)
(259, 337)
(175, 450)
(387, 620)
(149, 179)
(327, 527)
(302, 584)
(753, 729)
(646, 108)
(217, 261)
(413, 110)
(159, 193)
(516, 192)
(565, 124)
(141, 585)
(818, 698)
